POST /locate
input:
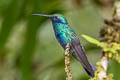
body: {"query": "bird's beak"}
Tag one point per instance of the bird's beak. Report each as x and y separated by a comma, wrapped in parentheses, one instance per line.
(49, 16)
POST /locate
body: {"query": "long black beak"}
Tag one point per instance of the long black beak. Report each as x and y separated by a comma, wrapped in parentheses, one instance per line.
(49, 16)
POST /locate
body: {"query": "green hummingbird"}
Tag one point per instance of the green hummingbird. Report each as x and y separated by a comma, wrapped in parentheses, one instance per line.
(65, 34)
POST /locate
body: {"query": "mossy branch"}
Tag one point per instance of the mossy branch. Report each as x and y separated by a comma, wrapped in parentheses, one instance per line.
(102, 65)
(110, 37)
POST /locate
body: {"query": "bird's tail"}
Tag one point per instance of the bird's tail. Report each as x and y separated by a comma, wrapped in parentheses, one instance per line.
(89, 73)
(79, 54)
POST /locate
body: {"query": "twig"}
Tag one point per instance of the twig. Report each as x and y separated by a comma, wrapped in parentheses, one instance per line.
(117, 11)
(67, 63)
(102, 75)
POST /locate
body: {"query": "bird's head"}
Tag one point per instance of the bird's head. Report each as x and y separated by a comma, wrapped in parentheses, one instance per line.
(56, 18)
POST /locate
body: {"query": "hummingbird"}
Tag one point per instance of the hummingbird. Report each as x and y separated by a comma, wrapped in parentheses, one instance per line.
(65, 34)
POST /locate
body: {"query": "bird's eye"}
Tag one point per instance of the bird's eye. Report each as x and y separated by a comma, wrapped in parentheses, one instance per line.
(56, 17)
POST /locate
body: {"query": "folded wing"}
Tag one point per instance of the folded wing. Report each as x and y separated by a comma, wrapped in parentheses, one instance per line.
(79, 54)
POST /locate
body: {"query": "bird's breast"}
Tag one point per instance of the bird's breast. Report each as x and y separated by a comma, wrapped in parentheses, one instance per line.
(63, 33)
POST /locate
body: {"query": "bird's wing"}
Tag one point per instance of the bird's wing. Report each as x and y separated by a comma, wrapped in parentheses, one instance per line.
(79, 54)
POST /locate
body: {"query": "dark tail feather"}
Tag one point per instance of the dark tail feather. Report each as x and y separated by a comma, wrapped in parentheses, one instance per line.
(90, 74)
(79, 54)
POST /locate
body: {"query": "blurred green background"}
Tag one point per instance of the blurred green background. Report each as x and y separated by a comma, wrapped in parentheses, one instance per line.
(28, 48)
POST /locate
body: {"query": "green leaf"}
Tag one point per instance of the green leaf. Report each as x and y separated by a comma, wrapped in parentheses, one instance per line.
(92, 40)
